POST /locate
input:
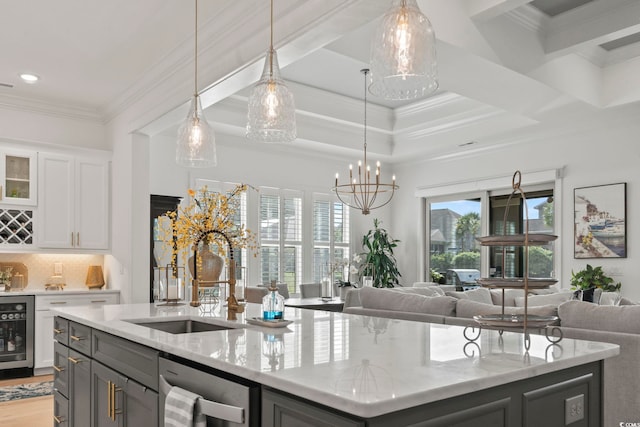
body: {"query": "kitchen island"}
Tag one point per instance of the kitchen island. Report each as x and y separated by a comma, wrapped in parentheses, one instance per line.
(372, 371)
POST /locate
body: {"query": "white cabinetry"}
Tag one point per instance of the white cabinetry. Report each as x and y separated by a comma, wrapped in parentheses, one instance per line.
(43, 342)
(18, 171)
(74, 202)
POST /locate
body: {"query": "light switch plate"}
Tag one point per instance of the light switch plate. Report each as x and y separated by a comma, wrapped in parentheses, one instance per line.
(57, 268)
(573, 409)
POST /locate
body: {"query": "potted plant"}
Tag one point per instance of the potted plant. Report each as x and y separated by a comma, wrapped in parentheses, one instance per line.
(379, 246)
(593, 277)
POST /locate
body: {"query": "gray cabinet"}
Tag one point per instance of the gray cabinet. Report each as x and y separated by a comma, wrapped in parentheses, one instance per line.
(60, 409)
(279, 410)
(104, 408)
(90, 393)
(72, 375)
(61, 368)
(79, 368)
(119, 401)
(536, 402)
(80, 338)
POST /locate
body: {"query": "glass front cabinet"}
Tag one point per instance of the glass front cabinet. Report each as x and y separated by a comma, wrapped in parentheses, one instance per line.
(18, 171)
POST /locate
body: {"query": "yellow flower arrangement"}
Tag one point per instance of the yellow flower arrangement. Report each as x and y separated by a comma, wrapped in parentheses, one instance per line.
(209, 218)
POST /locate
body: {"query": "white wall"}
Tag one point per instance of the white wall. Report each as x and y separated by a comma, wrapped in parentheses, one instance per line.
(597, 150)
(56, 128)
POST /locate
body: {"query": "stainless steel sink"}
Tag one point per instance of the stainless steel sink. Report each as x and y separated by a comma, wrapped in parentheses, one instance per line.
(183, 326)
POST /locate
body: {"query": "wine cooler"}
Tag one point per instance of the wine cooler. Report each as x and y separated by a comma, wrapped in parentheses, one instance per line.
(16, 332)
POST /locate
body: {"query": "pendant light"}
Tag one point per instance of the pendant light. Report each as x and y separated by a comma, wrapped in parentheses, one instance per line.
(361, 192)
(403, 54)
(271, 116)
(196, 145)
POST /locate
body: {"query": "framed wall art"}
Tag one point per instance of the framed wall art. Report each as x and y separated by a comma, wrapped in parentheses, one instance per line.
(600, 227)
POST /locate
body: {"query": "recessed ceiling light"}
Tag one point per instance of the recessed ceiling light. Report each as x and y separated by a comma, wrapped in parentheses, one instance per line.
(29, 78)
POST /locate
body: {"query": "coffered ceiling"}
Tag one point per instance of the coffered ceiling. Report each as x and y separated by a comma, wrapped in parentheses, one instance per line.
(506, 67)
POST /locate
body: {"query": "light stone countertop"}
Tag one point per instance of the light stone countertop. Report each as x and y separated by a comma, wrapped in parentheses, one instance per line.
(365, 366)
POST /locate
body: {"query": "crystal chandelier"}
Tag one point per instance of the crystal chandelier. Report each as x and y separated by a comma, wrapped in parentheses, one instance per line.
(403, 54)
(362, 192)
(196, 145)
(271, 116)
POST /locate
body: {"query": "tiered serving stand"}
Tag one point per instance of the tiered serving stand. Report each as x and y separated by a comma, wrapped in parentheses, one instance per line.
(516, 322)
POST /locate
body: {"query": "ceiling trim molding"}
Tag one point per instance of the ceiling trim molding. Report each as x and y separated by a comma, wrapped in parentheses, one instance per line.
(36, 106)
(529, 17)
(489, 183)
(450, 122)
(432, 102)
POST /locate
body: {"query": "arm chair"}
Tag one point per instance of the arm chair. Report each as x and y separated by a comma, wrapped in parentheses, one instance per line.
(310, 290)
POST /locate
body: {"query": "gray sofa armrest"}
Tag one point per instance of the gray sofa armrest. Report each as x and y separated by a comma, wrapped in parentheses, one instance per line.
(352, 299)
(621, 374)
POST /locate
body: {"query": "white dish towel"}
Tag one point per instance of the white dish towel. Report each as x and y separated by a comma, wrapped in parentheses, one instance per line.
(180, 409)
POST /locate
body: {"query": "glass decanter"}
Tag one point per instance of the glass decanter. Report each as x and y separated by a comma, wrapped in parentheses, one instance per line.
(273, 304)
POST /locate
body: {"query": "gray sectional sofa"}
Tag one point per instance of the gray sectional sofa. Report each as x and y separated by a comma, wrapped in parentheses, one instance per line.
(580, 320)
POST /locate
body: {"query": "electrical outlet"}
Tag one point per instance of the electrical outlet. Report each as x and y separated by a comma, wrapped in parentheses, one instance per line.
(57, 268)
(573, 409)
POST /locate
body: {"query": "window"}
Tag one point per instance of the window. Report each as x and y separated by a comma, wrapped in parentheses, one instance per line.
(458, 213)
(331, 236)
(281, 237)
(455, 224)
(539, 218)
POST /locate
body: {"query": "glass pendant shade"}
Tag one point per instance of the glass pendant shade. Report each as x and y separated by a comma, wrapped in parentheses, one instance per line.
(271, 116)
(403, 54)
(196, 146)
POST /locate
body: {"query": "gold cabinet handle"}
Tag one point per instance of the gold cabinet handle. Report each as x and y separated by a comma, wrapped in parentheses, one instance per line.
(74, 361)
(78, 239)
(58, 368)
(72, 239)
(58, 420)
(75, 338)
(58, 331)
(109, 399)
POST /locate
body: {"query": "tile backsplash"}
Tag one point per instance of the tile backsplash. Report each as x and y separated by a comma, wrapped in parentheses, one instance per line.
(41, 267)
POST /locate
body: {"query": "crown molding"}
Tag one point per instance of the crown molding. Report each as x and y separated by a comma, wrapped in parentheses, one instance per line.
(451, 122)
(39, 106)
(529, 17)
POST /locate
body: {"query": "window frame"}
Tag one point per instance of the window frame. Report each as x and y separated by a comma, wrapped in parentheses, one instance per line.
(281, 243)
(484, 189)
(333, 245)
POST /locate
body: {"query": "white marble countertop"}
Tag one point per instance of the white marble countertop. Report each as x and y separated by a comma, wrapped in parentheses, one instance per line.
(361, 365)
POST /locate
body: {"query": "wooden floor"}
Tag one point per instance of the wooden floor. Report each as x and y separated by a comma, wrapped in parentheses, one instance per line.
(32, 412)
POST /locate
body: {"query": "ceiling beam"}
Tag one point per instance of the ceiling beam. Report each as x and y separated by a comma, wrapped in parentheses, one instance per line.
(484, 10)
(592, 24)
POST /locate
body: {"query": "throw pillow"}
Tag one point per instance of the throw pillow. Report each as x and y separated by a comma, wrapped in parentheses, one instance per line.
(583, 315)
(468, 309)
(610, 298)
(431, 291)
(479, 295)
(387, 299)
(549, 299)
(509, 296)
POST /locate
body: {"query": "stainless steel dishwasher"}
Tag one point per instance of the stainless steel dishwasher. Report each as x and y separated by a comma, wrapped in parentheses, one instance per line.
(228, 401)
